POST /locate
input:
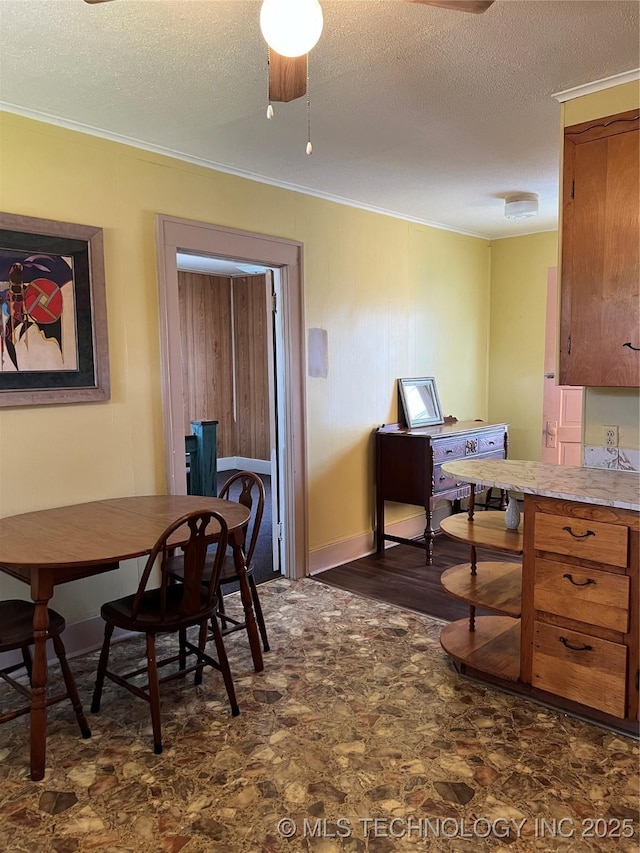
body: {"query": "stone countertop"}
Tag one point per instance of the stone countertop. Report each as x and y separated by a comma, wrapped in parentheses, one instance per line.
(586, 485)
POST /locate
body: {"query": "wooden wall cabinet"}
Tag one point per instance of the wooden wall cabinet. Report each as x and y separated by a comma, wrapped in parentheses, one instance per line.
(600, 284)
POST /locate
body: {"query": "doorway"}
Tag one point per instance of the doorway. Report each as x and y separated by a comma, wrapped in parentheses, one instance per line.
(561, 404)
(284, 258)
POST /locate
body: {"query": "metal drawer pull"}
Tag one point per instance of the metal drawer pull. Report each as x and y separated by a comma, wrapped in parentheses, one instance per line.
(575, 583)
(630, 345)
(584, 648)
(579, 535)
(449, 451)
(442, 477)
(491, 442)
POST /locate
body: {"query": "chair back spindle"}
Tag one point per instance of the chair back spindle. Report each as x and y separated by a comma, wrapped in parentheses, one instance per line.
(204, 528)
(247, 482)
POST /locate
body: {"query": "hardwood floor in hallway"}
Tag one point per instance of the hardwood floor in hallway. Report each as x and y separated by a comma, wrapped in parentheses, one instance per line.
(400, 576)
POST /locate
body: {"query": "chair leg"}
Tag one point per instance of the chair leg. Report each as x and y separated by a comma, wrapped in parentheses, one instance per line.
(225, 669)
(202, 641)
(70, 684)
(26, 658)
(182, 651)
(258, 611)
(154, 693)
(102, 668)
(220, 598)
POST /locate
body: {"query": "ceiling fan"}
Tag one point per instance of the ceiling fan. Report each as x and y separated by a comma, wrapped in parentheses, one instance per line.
(288, 75)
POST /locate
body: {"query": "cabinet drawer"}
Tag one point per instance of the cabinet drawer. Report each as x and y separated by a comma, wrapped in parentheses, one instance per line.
(586, 595)
(471, 444)
(581, 668)
(576, 537)
(491, 441)
(448, 449)
(443, 481)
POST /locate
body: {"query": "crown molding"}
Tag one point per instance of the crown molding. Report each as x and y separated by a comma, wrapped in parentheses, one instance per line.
(89, 130)
(597, 86)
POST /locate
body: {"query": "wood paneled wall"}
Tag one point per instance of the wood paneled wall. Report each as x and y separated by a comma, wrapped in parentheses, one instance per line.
(214, 348)
(252, 379)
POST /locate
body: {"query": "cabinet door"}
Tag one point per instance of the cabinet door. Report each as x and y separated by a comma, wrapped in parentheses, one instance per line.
(600, 289)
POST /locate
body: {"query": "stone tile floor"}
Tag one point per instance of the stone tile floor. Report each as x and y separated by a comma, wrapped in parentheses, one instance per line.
(357, 716)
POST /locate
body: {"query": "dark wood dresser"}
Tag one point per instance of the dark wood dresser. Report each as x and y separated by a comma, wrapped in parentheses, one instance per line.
(409, 469)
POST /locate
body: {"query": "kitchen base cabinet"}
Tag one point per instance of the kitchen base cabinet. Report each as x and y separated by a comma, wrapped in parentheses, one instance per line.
(492, 647)
(576, 645)
(580, 637)
(487, 643)
(580, 667)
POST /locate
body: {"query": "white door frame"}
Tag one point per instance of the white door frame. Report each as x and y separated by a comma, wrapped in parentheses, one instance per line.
(173, 235)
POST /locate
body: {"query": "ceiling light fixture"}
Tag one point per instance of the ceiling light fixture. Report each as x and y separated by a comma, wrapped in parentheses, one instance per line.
(521, 205)
(291, 27)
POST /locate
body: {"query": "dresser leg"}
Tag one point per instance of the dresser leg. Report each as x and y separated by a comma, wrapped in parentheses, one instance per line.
(429, 536)
(379, 526)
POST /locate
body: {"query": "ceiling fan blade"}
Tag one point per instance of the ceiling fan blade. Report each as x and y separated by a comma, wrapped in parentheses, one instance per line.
(287, 77)
(476, 6)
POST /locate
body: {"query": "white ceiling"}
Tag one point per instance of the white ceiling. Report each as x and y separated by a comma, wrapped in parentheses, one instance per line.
(421, 112)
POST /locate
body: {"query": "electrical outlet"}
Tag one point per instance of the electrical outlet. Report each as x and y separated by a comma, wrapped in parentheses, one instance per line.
(610, 436)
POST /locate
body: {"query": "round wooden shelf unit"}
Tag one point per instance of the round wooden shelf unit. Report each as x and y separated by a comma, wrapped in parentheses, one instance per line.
(487, 530)
(493, 648)
(496, 586)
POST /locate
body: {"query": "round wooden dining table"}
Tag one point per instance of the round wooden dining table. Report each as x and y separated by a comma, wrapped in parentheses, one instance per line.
(62, 544)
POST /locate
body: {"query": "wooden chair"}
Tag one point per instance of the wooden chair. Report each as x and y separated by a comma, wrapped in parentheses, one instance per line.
(172, 608)
(241, 487)
(248, 489)
(16, 632)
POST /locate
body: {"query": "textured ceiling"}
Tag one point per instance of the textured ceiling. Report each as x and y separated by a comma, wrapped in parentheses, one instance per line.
(418, 111)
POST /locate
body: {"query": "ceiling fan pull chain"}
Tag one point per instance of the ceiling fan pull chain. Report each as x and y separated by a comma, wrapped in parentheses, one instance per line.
(269, 105)
(309, 145)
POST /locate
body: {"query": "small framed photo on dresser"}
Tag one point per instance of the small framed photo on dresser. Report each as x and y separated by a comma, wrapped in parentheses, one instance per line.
(420, 402)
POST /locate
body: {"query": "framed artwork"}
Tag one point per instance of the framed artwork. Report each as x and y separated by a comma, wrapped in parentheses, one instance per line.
(420, 402)
(53, 319)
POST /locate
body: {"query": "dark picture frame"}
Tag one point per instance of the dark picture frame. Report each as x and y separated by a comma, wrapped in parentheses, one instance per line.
(420, 402)
(48, 268)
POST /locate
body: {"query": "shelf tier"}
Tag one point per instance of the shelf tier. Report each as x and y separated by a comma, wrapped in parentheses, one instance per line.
(496, 586)
(487, 530)
(493, 648)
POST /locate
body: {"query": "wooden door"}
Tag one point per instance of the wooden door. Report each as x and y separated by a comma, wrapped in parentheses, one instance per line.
(562, 404)
(600, 327)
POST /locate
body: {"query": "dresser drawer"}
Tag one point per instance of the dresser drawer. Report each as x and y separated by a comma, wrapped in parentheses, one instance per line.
(448, 449)
(491, 441)
(586, 595)
(471, 444)
(581, 668)
(442, 482)
(576, 537)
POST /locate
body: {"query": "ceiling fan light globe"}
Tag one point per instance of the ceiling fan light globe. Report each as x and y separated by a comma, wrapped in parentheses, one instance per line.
(291, 27)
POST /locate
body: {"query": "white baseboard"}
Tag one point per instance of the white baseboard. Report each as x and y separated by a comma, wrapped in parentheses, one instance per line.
(347, 550)
(243, 463)
(78, 638)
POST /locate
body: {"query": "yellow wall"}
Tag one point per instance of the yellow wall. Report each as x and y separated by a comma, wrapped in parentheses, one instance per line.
(516, 353)
(397, 299)
(617, 406)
